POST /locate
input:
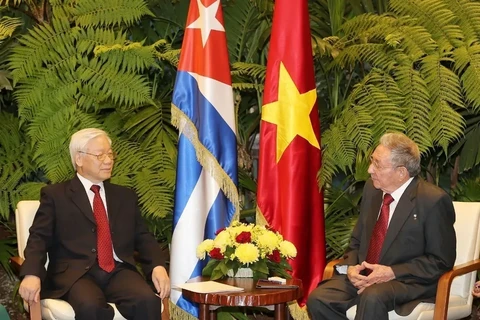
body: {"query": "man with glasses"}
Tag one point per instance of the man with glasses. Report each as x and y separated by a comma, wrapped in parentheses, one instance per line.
(90, 229)
(403, 241)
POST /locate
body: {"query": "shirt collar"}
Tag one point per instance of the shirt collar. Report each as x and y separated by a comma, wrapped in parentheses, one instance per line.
(397, 194)
(87, 184)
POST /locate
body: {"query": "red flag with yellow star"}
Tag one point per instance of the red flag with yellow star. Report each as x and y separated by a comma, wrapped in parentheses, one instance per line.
(288, 195)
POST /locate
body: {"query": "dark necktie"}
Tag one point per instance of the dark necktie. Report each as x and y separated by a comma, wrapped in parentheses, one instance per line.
(379, 231)
(104, 239)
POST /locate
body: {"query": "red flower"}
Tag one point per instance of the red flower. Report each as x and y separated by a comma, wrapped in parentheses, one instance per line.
(275, 256)
(215, 253)
(244, 237)
(219, 230)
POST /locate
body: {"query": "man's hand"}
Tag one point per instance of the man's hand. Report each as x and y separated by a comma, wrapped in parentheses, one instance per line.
(353, 274)
(379, 274)
(30, 289)
(161, 281)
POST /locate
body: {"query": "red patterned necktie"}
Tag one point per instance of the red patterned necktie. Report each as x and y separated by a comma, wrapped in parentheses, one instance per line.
(104, 239)
(379, 231)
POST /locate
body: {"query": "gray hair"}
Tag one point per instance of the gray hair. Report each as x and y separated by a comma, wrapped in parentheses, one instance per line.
(404, 152)
(80, 139)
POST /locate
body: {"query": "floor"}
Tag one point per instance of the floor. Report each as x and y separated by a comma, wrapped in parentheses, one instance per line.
(7, 287)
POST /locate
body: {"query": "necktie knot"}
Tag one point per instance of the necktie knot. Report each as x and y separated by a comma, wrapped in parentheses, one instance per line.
(95, 188)
(387, 199)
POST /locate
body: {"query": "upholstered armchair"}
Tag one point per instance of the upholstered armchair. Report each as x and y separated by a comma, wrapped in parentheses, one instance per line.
(48, 309)
(454, 298)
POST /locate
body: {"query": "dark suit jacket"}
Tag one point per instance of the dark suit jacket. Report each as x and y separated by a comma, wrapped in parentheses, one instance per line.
(420, 244)
(64, 227)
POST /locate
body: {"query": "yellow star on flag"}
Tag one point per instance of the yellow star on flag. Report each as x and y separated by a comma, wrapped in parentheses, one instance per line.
(291, 113)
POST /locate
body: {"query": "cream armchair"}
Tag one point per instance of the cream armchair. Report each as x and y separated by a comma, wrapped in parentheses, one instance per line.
(454, 298)
(48, 309)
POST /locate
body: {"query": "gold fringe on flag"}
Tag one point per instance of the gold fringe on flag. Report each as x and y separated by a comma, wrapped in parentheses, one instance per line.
(205, 157)
(297, 312)
(178, 313)
(260, 218)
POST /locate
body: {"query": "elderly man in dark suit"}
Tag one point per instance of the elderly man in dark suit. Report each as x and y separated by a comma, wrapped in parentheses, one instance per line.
(90, 229)
(403, 242)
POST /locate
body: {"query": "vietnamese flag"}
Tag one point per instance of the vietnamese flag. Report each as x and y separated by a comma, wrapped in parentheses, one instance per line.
(288, 195)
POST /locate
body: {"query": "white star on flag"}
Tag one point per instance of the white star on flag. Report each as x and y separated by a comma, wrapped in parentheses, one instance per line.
(207, 21)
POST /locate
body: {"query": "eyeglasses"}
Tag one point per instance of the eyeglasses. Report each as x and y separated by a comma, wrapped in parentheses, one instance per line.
(102, 156)
(379, 167)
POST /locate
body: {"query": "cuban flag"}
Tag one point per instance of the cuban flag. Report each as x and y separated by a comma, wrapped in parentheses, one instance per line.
(206, 195)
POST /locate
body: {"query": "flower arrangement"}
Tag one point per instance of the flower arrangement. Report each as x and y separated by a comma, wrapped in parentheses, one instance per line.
(241, 245)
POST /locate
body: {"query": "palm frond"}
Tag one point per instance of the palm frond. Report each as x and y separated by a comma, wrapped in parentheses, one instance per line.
(252, 70)
(15, 161)
(436, 17)
(470, 152)
(467, 15)
(385, 114)
(337, 145)
(446, 125)
(109, 13)
(247, 29)
(416, 105)
(8, 26)
(127, 88)
(442, 82)
(467, 64)
(357, 121)
(131, 57)
(36, 47)
(90, 38)
(372, 53)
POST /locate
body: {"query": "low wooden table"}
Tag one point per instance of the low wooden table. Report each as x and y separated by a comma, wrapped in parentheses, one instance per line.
(251, 297)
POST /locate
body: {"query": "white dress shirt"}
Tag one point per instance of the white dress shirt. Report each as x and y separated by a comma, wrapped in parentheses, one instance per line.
(87, 184)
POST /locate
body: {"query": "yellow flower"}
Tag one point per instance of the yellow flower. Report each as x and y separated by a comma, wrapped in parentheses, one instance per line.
(204, 247)
(287, 249)
(222, 240)
(268, 241)
(246, 253)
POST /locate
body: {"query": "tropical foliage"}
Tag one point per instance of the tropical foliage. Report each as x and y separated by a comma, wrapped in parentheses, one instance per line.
(421, 69)
(407, 65)
(80, 70)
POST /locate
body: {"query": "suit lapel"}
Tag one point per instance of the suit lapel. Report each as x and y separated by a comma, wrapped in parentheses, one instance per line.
(112, 205)
(79, 197)
(402, 212)
(373, 213)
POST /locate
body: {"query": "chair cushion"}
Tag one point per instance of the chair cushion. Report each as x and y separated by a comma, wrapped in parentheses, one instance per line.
(457, 306)
(467, 231)
(24, 215)
(56, 309)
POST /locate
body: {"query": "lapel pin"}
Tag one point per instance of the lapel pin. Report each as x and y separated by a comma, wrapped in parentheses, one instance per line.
(414, 216)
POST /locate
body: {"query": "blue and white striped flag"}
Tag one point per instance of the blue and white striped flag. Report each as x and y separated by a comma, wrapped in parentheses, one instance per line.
(206, 196)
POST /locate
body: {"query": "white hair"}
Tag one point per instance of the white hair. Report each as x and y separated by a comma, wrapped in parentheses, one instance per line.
(81, 138)
(404, 151)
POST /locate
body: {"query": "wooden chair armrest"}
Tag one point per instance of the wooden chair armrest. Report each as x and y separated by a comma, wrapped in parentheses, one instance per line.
(329, 268)
(16, 263)
(166, 309)
(35, 311)
(444, 284)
